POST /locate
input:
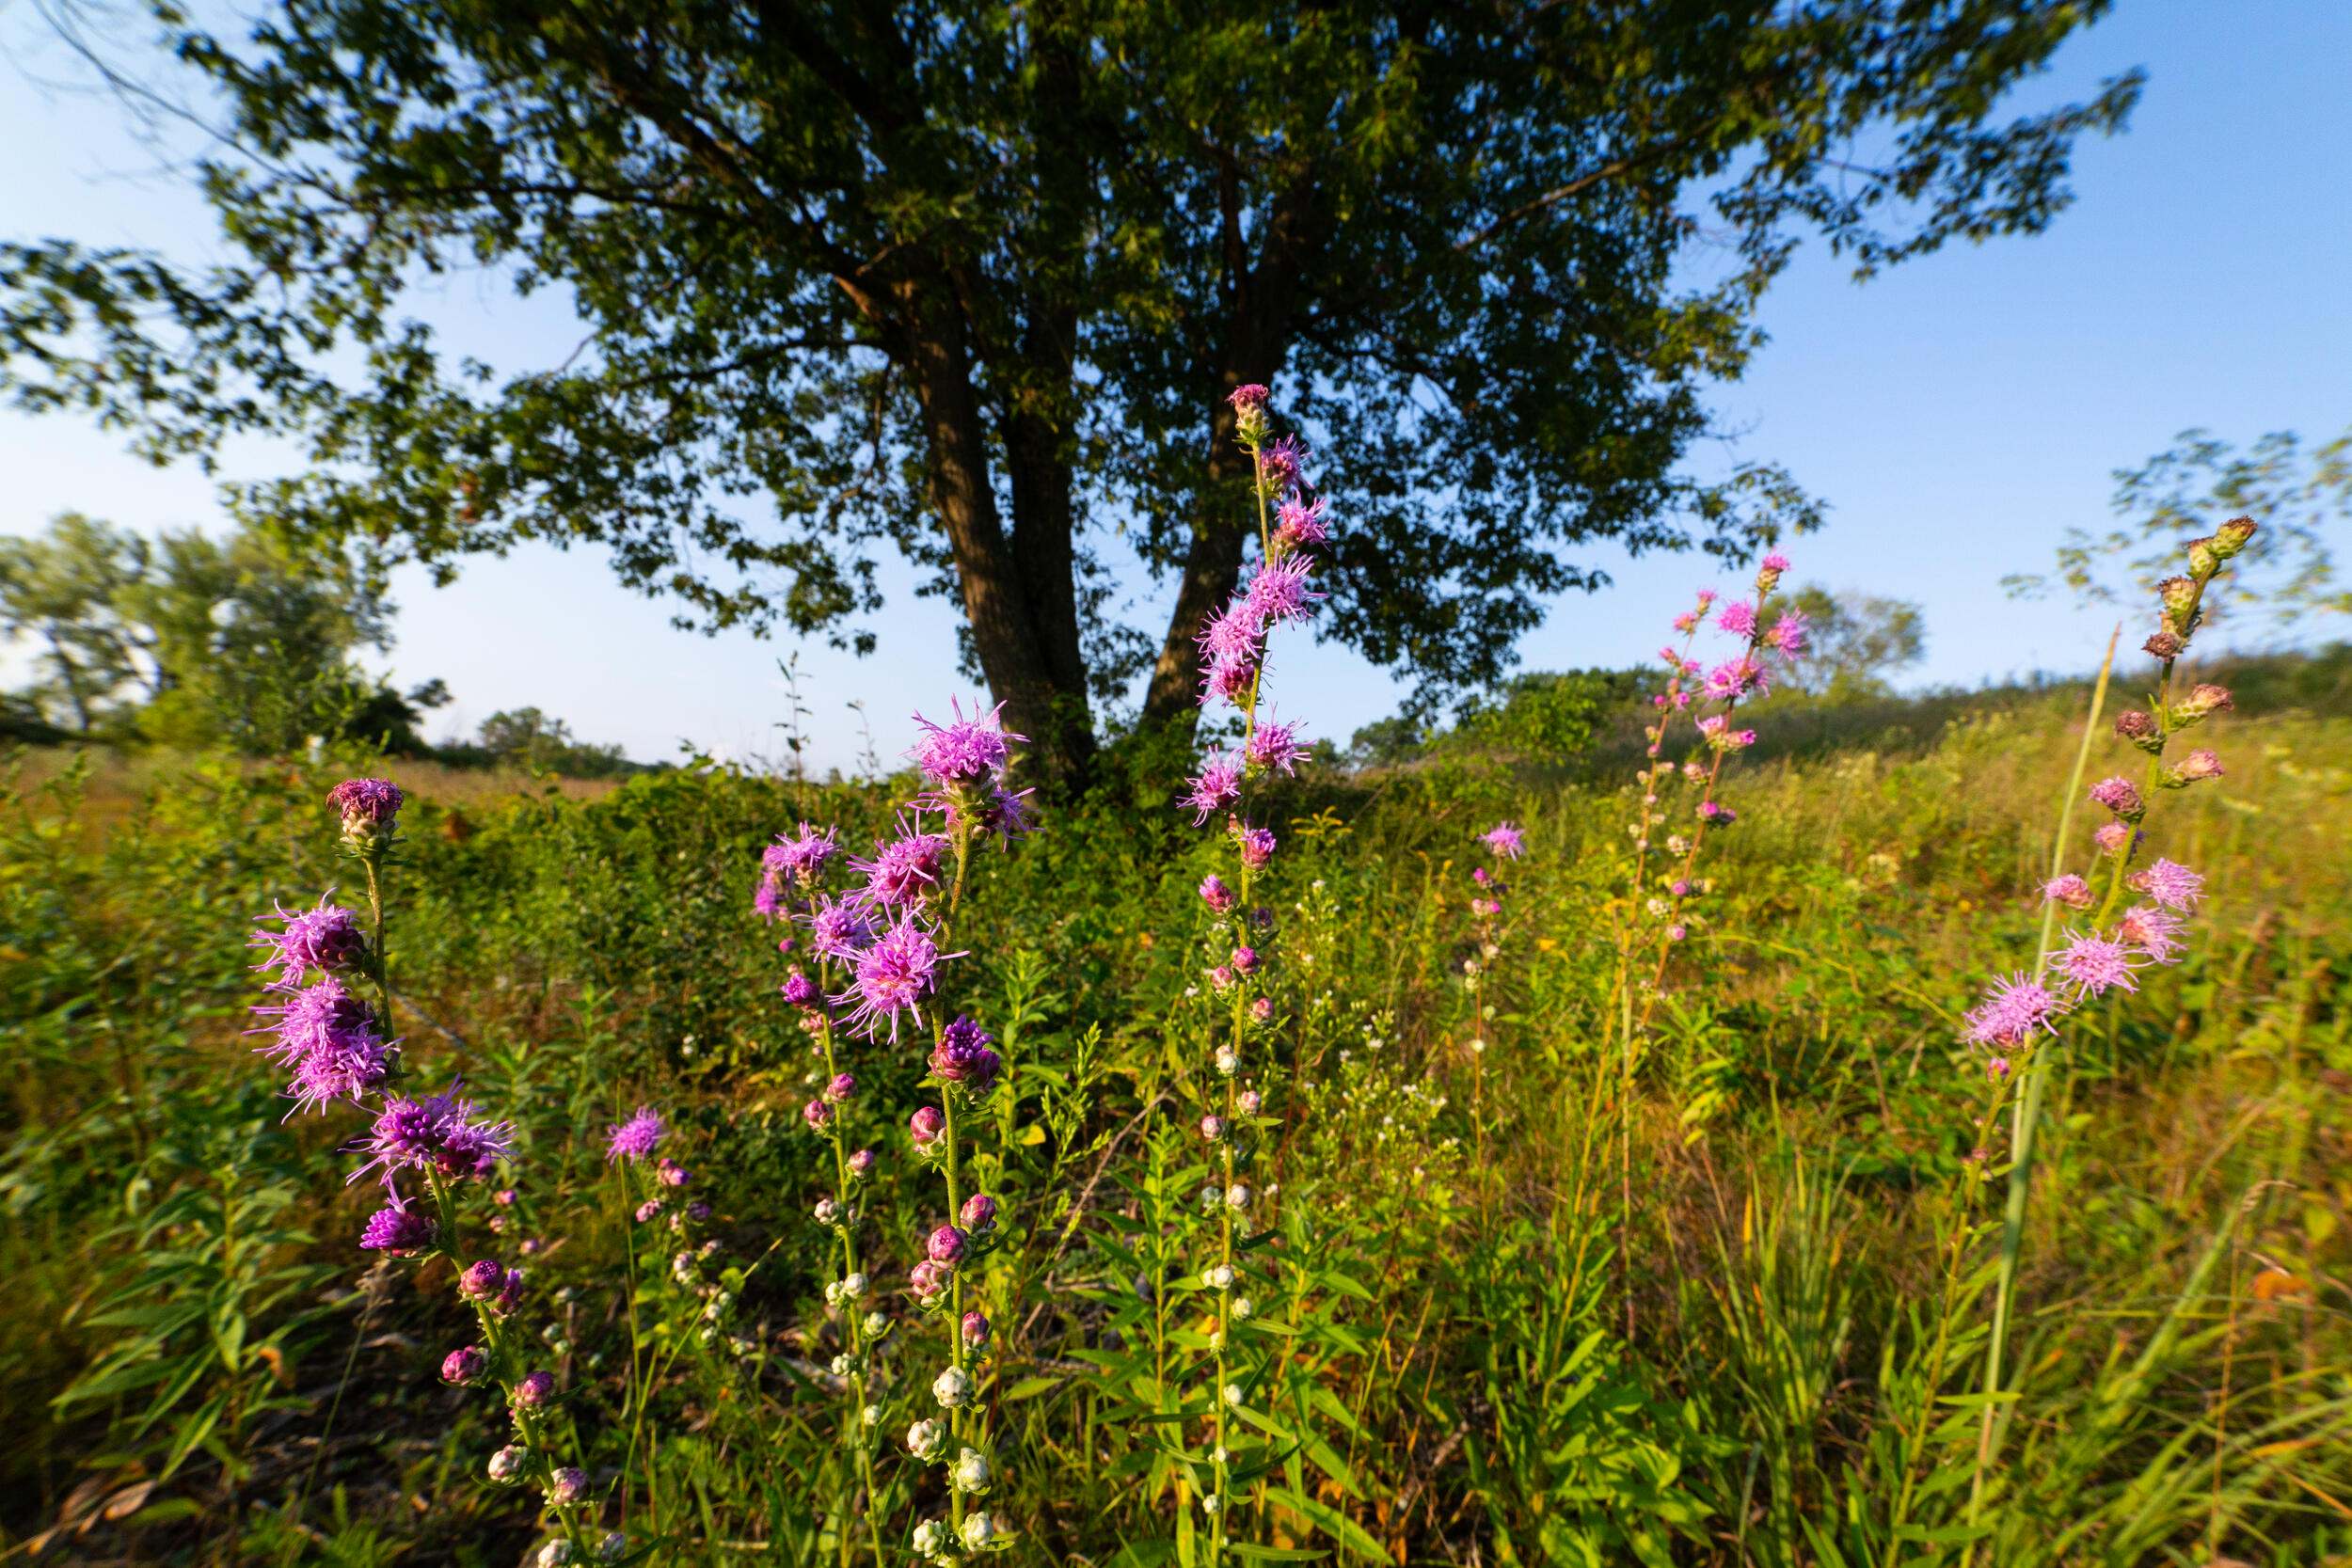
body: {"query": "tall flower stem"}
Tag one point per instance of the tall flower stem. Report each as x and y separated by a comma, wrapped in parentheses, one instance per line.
(853, 1430)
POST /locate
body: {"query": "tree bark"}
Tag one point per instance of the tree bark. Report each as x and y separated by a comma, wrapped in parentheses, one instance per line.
(1258, 337)
(1014, 656)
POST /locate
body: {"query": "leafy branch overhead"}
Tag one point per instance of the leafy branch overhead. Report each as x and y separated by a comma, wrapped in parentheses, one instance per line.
(956, 282)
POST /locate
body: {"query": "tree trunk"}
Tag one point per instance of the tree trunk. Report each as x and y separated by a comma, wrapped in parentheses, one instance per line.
(1257, 339)
(1014, 656)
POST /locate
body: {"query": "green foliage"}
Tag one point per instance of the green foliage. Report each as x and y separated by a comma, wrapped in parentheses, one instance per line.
(2301, 496)
(1546, 717)
(1857, 643)
(900, 271)
(1463, 1351)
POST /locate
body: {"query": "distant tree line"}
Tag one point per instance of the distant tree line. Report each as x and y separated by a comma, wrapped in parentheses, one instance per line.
(235, 642)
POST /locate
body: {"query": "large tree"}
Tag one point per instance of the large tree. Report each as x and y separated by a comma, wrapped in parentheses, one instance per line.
(969, 278)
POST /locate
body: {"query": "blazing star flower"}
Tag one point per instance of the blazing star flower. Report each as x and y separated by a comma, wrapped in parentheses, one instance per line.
(2069, 890)
(978, 1212)
(1228, 680)
(398, 1231)
(1299, 523)
(465, 1366)
(1217, 786)
(800, 991)
(2115, 838)
(325, 938)
(1789, 633)
(1277, 591)
(2171, 884)
(2153, 930)
(1248, 395)
(1504, 841)
(839, 929)
(926, 1124)
(962, 1056)
(365, 803)
(945, 1244)
(964, 751)
(2094, 965)
(436, 1133)
(343, 1068)
(1738, 618)
(1214, 893)
(1234, 635)
(2013, 1009)
(1274, 745)
(1257, 846)
(1735, 677)
(905, 870)
(636, 1138)
(1281, 461)
(895, 974)
(2120, 795)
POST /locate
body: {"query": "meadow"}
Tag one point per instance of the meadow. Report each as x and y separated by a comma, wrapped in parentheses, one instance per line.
(1457, 1162)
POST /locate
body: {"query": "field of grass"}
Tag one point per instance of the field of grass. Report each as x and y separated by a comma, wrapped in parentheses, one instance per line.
(1520, 1296)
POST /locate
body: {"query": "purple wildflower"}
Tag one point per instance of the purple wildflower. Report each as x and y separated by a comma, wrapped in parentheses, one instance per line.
(1299, 523)
(649, 1210)
(905, 870)
(1214, 893)
(1789, 633)
(818, 1114)
(672, 1174)
(1504, 841)
(929, 1281)
(800, 991)
(1249, 394)
(2069, 890)
(965, 752)
(842, 1086)
(894, 976)
(926, 1124)
(2153, 930)
(802, 857)
(2120, 795)
(839, 929)
(1274, 745)
(635, 1139)
(2093, 965)
(2171, 884)
(484, 1279)
(365, 803)
(325, 938)
(862, 1163)
(962, 1056)
(1737, 618)
(1277, 591)
(1280, 461)
(2115, 838)
(1736, 678)
(436, 1133)
(945, 1246)
(2013, 1009)
(1257, 846)
(976, 1329)
(978, 1212)
(567, 1486)
(463, 1366)
(534, 1388)
(398, 1231)
(1217, 786)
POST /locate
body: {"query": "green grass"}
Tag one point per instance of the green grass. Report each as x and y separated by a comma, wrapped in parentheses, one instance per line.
(1470, 1358)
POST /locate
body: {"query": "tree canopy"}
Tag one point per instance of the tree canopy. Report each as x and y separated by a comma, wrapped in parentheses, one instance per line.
(969, 279)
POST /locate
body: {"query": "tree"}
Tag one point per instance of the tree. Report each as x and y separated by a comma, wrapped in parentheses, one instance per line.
(1856, 642)
(970, 280)
(2299, 495)
(202, 641)
(62, 592)
(1545, 717)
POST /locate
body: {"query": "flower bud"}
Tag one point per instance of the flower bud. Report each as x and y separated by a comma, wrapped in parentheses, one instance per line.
(2141, 729)
(482, 1280)
(2231, 536)
(1214, 893)
(926, 1124)
(2115, 838)
(930, 1538)
(828, 1212)
(1212, 1127)
(2180, 597)
(978, 1530)
(1242, 1306)
(534, 1390)
(649, 1210)
(800, 991)
(817, 1114)
(2164, 645)
(862, 1163)
(1262, 1010)
(2070, 890)
(2121, 797)
(976, 1329)
(567, 1486)
(1246, 961)
(2203, 560)
(945, 1244)
(673, 1174)
(928, 1281)
(1248, 1102)
(1227, 1063)
(463, 1366)
(1217, 1276)
(506, 1466)
(2201, 699)
(978, 1212)
(971, 1472)
(953, 1388)
(2199, 764)
(1237, 1197)
(843, 1086)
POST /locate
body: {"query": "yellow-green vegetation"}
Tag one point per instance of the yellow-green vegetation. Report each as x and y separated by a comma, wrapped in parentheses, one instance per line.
(1775, 1358)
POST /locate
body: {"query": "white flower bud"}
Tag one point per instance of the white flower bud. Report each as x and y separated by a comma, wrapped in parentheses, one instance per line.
(971, 1472)
(930, 1538)
(1227, 1063)
(1217, 1276)
(979, 1529)
(1242, 1306)
(953, 1388)
(554, 1554)
(927, 1440)
(870, 1417)
(877, 1324)
(1211, 1502)
(506, 1466)
(1237, 1197)
(841, 1365)
(854, 1287)
(1232, 1395)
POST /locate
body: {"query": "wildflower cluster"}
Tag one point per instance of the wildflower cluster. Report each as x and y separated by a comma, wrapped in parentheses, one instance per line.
(1290, 524)
(427, 1149)
(2119, 915)
(1502, 843)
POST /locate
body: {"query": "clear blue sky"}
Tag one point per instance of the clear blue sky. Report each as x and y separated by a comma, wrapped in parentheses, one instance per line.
(1958, 414)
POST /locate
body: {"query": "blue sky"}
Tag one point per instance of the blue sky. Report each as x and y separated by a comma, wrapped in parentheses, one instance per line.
(1957, 413)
